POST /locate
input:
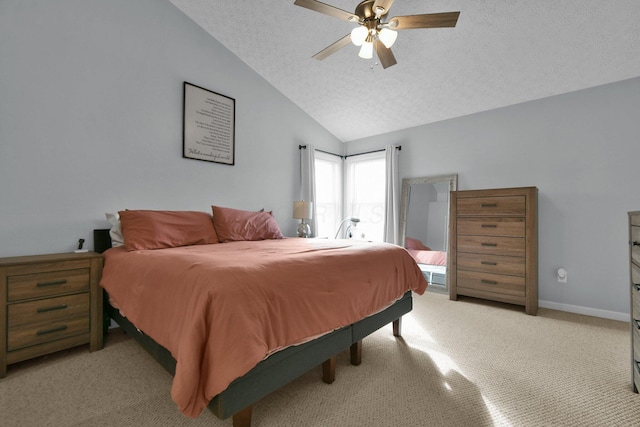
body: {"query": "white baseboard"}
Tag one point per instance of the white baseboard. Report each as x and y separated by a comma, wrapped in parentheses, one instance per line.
(613, 315)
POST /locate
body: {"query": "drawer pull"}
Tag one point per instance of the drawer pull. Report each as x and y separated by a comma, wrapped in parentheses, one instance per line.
(493, 245)
(636, 323)
(52, 283)
(489, 205)
(53, 308)
(636, 286)
(489, 225)
(636, 243)
(52, 330)
(488, 263)
(489, 282)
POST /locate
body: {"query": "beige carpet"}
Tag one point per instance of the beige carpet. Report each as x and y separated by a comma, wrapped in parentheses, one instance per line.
(465, 363)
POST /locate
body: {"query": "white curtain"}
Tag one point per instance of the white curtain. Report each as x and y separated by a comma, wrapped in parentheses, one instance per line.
(308, 182)
(392, 196)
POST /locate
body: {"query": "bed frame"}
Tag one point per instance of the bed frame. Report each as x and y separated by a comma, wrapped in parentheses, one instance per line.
(436, 277)
(278, 369)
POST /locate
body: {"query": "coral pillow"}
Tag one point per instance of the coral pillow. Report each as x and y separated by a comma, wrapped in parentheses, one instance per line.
(145, 229)
(233, 225)
(415, 244)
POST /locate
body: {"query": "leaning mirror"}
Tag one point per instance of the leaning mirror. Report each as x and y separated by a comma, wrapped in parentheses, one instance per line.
(424, 225)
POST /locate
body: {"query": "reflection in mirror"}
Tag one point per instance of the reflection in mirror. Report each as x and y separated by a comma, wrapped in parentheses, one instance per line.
(424, 225)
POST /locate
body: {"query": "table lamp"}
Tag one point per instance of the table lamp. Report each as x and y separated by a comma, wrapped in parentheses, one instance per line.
(303, 210)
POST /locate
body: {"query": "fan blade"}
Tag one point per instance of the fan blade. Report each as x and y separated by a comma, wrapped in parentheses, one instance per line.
(385, 4)
(327, 10)
(384, 54)
(428, 20)
(333, 48)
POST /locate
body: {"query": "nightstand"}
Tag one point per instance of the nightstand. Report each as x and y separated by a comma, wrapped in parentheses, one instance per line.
(49, 303)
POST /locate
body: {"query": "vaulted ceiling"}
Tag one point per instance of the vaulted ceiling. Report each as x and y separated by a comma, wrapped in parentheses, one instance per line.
(500, 53)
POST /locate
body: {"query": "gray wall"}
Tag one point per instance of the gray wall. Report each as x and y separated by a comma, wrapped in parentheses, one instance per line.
(581, 150)
(427, 215)
(91, 121)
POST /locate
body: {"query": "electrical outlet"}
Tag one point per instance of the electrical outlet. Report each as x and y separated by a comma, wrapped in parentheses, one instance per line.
(561, 274)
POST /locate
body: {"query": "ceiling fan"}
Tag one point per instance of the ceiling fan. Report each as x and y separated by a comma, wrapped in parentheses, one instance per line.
(371, 33)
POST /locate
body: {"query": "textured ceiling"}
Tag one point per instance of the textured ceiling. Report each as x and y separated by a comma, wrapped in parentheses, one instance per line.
(500, 53)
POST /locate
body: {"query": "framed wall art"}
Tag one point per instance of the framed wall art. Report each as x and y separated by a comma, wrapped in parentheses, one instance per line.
(209, 126)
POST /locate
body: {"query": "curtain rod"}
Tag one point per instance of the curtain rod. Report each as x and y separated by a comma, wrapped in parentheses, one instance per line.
(397, 147)
(304, 147)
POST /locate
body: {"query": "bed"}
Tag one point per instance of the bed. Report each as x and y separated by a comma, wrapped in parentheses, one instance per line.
(303, 301)
(433, 264)
(435, 275)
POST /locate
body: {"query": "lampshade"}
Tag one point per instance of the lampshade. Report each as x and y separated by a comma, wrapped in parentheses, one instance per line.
(387, 37)
(302, 209)
(366, 51)
(358, 35)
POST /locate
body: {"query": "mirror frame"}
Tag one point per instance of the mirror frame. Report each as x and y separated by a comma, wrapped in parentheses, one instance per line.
(452, 179)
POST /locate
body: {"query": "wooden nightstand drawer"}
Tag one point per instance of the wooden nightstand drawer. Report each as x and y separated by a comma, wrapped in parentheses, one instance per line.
(514, 266)
(635, 291)
(510, 285)
(512, 227)
(48, 310)
(47, 284)
(37, 333)
(510, 246)
(635, 243)
(489, 206)
(635, 302)
(635, 336)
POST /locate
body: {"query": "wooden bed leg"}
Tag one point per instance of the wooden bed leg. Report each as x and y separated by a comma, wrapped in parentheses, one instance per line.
(329, 370)
(242, 418)
(397, 327)
(356, 353)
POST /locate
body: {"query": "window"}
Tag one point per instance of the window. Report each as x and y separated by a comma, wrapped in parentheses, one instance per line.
(328, 193)
(365, 194)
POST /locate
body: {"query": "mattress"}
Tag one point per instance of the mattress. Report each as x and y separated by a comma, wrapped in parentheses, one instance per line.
(222, 308)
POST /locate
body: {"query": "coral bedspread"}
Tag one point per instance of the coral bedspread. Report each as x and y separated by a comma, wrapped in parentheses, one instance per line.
(222, 308)
(429, 257)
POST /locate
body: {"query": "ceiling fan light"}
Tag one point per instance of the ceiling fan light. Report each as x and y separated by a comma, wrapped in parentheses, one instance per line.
(366, 51)
(387, 37)
(358, 35)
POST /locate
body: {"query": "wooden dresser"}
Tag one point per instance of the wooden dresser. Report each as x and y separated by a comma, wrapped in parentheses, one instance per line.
(634, 275)
(49, 303)
(494, 245)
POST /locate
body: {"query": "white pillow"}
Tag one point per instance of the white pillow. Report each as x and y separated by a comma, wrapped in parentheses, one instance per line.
(116, 229)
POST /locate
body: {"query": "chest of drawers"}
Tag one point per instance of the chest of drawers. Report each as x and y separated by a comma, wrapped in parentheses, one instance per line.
(634, 276)
(494, 245)
(49, 303)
